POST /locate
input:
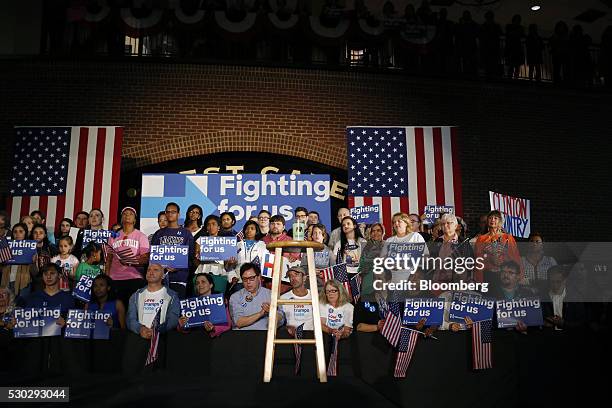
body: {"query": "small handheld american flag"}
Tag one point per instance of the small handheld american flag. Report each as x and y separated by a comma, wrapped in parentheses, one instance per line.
(332, 366)
(5, 250)
(482, 337)
(339, 273)
(153, 354)
(405, 350)
(297, 348)
(391, 329)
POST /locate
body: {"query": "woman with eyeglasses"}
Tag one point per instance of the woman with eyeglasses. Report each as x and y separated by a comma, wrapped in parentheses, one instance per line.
(451, 246)
(494, 248)
(263, 219)
(415, 224)
(194, 213)
(250, 250)
(336, 310)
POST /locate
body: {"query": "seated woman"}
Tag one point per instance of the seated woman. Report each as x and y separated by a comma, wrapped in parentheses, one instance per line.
(251, 249)
(203, 286)
(101, 301)
(17, 278)
(7, 305)
(217, 269)
(336, 310)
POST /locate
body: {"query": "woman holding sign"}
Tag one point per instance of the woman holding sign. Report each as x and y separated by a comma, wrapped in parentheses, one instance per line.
(212, 224)
(101, 301)
(494, 248)
(336, 310)
(251, 249)
(348, 249)
(203, 286)
(96, 219)
(18, 277)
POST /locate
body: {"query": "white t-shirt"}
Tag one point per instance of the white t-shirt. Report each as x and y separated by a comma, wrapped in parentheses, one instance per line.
(336, 317)
(152, 302)
(399, 275)
(298, 314)
(351, 255)
(69, 264)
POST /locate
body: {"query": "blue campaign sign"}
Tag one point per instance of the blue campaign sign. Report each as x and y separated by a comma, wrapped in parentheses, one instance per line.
(101, 331)
(405, 250)
(98, 236)
(367, 214)
(432, 212)
(172, 256)
(82, 289)
(243, 194)
(204, 309)
(22, 251)
(78, 324)
(526, 310)
(32, 322)
(430, 309)
(217, 248)
(474, 306)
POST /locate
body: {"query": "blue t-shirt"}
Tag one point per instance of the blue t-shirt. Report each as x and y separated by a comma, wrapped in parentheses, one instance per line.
(61, 299)
(176, 236)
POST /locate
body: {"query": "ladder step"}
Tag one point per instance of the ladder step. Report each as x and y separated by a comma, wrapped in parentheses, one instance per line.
(294, 341)
(294, 302)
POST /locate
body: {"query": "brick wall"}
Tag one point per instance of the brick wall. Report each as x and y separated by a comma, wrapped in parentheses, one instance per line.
(536, 142)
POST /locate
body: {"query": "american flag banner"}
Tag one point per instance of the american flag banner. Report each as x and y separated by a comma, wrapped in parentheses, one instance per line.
(5, 250)
(392, 327)
(403, 169)
(240, 236)
(297, 348)
(332, 366)
(153, 353)
(63, 170)
(405, 350)
(482, 337)
(339, 273)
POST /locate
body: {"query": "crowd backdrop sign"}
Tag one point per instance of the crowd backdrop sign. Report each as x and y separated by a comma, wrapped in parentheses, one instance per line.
(516, 212)
(243, 194)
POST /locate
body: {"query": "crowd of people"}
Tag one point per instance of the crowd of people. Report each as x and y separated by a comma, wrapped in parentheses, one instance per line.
(134, 291)
(417, 38)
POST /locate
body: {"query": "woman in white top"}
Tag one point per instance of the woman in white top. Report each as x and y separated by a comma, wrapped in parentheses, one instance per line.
(336, 310)
(250, 249)
(348, 249)
(402, 234)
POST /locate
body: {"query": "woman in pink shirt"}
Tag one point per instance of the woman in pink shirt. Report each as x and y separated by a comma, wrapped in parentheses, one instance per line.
(130, 252)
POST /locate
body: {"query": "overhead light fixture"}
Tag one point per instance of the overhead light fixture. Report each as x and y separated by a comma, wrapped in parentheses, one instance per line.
(535, 7)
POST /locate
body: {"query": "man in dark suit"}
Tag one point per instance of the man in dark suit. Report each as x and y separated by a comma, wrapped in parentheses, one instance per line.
(560, 309)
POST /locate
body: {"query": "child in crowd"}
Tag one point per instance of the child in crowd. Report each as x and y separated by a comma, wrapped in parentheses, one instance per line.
(91, 267)
(67, 262)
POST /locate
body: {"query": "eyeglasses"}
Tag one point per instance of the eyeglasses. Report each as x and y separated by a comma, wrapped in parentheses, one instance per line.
(263, 218)
(331, 291)
(249, 278)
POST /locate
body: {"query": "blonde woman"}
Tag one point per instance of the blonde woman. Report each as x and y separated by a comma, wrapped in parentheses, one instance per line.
(402, 234)
(336, 310)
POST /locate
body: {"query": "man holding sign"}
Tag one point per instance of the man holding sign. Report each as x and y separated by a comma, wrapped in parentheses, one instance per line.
(174, 235)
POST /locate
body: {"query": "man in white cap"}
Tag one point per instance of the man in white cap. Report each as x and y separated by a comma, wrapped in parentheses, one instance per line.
(130, 252)
(297, 314)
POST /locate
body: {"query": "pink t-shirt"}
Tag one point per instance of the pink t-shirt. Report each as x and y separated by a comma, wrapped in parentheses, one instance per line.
(139, 244)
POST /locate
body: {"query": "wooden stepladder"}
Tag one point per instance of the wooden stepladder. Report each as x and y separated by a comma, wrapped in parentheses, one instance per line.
(272, 341)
